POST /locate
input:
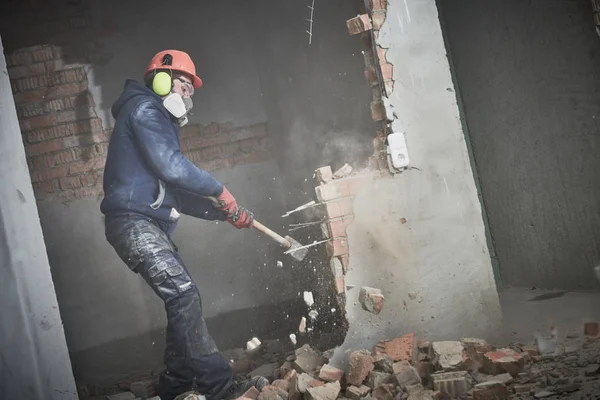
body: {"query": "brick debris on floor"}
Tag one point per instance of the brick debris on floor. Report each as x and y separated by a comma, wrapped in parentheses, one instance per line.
(416, 369)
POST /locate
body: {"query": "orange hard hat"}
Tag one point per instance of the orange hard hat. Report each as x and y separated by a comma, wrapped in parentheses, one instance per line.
(177, 61)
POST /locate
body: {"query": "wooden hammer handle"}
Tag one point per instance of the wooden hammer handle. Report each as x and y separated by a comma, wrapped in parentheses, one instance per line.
(283, 242)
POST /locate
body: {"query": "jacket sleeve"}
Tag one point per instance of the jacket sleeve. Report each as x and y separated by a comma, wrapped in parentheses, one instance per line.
(199, 207)
(158, 142)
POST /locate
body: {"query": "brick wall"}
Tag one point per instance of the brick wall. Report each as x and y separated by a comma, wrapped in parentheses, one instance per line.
(378, 72)
(336, 197)
(66, 143)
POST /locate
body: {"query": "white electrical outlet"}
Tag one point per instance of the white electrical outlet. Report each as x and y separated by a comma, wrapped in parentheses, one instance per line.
(397, 151)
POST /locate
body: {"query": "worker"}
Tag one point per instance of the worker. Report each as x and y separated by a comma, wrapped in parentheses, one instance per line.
(148, 183)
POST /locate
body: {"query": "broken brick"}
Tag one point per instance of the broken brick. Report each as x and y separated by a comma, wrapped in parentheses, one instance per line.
(329, 391)
(271, 392)
(503, 360)
(591, 329)
(377, 379)
(358, 24)
(324, 175)
(251, 393)
(378, 19)
(329, 373)
(449, 353)
(490, 391)
(360, 364)
(307, 360)
(282, 384)
(357, 392)
(406, 375)
(398, 349)
(384, 392)
(371, 299)
(454, 383)
(384, 363)
(425, 369)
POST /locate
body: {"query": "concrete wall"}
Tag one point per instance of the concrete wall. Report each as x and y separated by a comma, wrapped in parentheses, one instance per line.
(419, 236)
(530, 85)
(34, 358)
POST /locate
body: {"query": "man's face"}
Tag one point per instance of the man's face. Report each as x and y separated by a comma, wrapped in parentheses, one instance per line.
(182, 85)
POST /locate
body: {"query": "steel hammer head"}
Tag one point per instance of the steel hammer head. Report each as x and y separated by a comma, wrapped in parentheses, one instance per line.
(296, 250)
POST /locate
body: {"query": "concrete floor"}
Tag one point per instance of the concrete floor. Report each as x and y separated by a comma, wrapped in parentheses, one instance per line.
(526, 311)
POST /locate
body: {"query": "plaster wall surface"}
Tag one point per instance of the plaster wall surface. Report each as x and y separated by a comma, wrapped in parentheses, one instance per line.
(530, 87)
(34, 358)
(419, 236)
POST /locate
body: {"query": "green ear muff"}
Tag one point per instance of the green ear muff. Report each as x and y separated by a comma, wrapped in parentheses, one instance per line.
(162, 84)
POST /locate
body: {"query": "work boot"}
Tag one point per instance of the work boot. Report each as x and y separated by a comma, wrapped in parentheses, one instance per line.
(238, 388)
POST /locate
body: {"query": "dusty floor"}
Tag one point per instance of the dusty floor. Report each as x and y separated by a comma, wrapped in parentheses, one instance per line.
(526, 311)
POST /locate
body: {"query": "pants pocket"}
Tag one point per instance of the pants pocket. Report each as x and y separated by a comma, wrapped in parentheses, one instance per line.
(169, 279)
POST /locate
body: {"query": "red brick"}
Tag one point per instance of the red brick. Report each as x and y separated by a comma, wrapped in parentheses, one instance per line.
(214, 165)
(28, 83)
(337, 228)
(20, 57)
(29, 96)
(503, 360)
(378, 18)
(189, 131)
(210, 129)
(44, 187)
(387, 71)
(199, 142)
(378, 111)
(329, 373)
(29, 110)
(252, 158)
(360, 364)
(339, 208)
(72, 182)
(591, 329)
(66, 89)
(290, 375)
(337, 247)
(251, 394)
(22, 71)
(43, 54)
(381, 55)
(490, 391)
(87, 166)
(340, 285)
(92, 178)
(87, 192)
(399, 349)
(54, 65)
(377, 5)
(63, 157)
(44, 147)
(359, 24)
(47, 174)
(254, 131)
(254, 144)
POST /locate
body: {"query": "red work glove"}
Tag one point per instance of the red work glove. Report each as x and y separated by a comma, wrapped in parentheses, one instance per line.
(236, 215)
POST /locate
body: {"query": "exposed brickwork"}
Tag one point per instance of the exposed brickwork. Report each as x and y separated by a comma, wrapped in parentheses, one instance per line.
(337, 197)
(66, 144)
(379, 72)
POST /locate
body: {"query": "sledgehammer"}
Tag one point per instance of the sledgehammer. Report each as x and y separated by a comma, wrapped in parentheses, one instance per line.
(291, 245)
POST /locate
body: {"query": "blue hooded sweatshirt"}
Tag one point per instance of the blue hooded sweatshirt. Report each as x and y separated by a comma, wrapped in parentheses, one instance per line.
(145, 171)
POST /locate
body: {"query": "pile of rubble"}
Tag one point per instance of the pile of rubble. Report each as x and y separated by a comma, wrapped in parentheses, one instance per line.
(407, 368)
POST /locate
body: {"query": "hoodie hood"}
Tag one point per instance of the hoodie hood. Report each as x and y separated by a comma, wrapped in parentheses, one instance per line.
(132, 90)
